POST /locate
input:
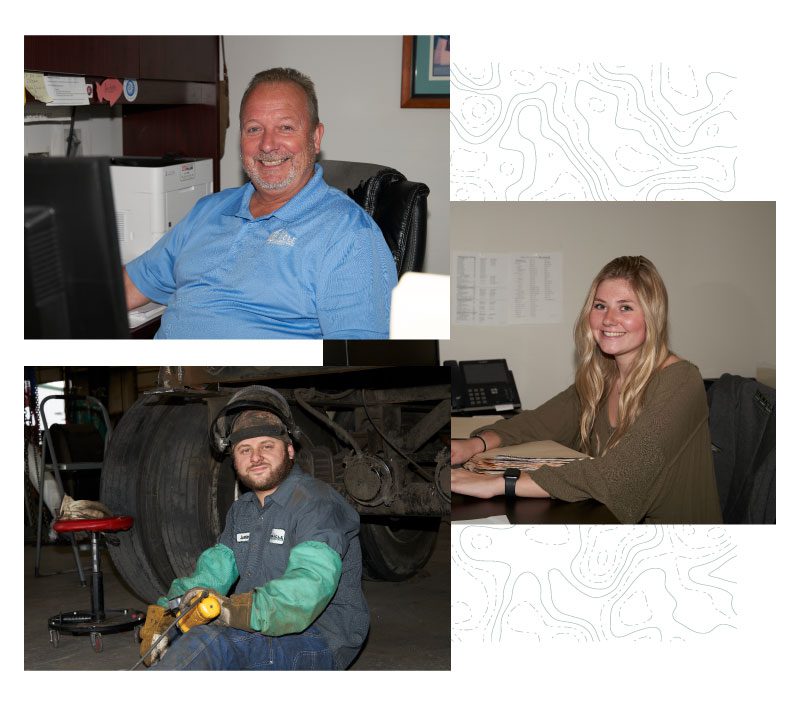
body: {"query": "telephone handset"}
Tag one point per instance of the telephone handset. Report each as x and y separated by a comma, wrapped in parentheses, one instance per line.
(482, 385)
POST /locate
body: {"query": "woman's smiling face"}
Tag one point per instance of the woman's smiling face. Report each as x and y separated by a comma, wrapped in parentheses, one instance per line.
(617, 320)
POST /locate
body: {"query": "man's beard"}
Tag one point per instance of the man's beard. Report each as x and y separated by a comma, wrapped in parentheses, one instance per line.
(298, 163)
(271, 479)
(252, 172)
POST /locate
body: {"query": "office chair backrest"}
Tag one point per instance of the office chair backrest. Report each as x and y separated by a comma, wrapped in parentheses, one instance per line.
(398, 206)
(742, 426)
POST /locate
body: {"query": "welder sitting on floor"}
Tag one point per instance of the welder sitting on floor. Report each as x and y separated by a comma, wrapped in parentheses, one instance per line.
(292, 543)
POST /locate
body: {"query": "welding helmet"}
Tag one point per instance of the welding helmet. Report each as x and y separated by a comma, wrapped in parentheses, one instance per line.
(225, 430)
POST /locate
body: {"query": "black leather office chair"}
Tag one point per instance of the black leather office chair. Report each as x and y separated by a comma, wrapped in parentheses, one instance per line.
(742, 425)
(399, 206)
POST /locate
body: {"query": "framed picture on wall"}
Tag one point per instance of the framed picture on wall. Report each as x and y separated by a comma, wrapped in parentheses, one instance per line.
(426, 71)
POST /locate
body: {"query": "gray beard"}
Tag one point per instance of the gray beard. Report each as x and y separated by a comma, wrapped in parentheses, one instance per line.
(252, 173)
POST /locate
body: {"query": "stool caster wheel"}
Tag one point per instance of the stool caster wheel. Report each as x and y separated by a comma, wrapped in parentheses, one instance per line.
(54, 635)
(97, 641)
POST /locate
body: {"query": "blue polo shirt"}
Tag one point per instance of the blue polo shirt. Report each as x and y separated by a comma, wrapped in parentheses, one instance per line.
(318, 267)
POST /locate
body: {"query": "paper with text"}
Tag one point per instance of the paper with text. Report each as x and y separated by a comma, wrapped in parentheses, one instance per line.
(498, 289)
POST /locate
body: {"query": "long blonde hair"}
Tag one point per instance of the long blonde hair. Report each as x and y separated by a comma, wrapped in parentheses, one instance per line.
(597, 372)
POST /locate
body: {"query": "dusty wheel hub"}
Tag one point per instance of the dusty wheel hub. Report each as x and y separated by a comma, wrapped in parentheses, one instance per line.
(368, 480)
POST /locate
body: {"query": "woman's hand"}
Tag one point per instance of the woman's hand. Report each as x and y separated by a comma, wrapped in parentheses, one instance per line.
(462, 450)
(478, 485)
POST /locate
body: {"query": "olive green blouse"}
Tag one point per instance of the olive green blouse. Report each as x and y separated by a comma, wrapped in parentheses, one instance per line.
(660, 471)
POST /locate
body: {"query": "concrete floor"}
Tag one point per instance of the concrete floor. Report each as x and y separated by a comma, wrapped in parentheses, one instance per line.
(410, 620)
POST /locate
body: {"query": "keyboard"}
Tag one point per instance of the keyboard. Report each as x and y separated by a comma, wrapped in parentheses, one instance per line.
(143, 314)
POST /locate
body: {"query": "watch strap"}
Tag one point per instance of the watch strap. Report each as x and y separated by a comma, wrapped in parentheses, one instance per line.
(511, 479)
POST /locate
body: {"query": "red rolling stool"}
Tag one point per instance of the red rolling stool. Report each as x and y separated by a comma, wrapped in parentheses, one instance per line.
(99, 621)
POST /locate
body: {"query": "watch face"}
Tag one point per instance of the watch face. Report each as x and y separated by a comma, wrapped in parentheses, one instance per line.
(511, 473)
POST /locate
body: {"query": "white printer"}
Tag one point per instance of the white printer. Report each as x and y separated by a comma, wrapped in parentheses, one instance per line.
(151, 194)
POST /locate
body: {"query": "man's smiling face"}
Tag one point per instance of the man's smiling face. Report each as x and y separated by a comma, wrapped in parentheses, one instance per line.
(278, 143)
(262, 463)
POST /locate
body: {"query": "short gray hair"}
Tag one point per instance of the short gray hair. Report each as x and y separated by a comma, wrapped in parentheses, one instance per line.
(285, 75)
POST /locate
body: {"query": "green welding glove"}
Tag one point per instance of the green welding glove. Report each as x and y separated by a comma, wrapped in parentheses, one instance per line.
(156, 623)
(290, 604)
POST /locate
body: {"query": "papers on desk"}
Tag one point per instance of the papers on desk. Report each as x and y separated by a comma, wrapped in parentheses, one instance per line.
(526, 457)
(499, 464)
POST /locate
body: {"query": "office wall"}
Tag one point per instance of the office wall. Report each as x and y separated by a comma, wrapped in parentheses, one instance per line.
(717, 260)
(100, 130)
(358, 87)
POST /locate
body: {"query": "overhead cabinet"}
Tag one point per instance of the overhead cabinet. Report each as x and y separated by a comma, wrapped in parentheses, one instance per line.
(158, 58)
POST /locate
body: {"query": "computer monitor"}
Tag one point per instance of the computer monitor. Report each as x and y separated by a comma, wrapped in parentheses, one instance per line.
(73, 272)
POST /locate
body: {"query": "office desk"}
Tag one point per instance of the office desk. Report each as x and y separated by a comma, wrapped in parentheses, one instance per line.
(532, 511)
(146, 330)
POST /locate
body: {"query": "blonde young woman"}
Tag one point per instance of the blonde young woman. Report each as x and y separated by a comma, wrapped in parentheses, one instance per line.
(636, 408)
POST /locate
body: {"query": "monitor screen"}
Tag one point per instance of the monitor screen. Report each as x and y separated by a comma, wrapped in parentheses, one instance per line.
(70, 230)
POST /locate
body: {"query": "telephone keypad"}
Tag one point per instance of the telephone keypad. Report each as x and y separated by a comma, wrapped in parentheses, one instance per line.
(477, 396)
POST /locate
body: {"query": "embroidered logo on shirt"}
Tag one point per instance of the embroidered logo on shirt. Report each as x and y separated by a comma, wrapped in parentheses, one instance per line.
(243, 537)
(277, 536)
(281, 237)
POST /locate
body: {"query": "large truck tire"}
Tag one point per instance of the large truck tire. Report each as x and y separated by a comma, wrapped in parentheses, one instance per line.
(394, 549)
(159, 469)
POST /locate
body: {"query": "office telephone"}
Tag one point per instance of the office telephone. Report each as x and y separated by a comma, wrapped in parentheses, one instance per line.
(482, 385)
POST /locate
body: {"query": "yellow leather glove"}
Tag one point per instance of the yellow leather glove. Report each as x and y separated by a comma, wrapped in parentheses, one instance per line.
(234, 611)
(156, 623)
(193, 593)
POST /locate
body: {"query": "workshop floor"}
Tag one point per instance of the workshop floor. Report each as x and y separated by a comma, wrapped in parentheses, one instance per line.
(410, 620)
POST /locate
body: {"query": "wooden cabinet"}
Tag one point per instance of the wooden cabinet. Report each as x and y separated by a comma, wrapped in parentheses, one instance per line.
(159, 58)
(178, 58)
(91, 56)
(176, 110)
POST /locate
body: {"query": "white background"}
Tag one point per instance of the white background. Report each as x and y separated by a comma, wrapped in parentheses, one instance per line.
(757, 42)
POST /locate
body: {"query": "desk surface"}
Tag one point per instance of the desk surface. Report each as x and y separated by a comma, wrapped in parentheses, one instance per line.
(532, 511)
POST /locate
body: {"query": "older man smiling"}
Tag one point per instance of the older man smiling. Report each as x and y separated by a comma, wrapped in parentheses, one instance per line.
(285, 255)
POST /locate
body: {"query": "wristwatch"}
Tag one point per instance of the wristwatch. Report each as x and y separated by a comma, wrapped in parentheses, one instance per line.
(511, 476)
